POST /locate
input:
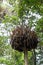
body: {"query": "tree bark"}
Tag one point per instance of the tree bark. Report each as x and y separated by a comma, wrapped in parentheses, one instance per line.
(25, 57)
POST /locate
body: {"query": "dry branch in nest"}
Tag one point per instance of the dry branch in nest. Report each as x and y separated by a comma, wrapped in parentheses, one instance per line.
(22, 37)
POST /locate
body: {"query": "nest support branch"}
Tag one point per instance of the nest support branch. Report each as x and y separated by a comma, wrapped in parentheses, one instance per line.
(25, 57)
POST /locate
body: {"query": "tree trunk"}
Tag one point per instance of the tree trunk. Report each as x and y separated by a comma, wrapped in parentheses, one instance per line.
(25, 57)
(34, 57)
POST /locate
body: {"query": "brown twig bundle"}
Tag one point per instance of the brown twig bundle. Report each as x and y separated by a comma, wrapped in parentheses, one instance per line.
(22, 37)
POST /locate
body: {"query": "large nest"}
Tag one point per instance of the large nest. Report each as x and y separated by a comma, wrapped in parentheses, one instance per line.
(22, 37)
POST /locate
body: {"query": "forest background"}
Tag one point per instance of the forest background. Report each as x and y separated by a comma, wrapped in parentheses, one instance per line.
(16, 12)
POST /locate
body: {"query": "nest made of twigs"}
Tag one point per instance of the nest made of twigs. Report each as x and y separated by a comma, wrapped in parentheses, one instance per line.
(22, 37)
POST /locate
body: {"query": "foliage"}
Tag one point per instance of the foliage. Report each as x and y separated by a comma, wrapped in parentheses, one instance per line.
(39, 29)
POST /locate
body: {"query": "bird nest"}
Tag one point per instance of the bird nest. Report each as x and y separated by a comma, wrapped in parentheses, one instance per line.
(22, 37)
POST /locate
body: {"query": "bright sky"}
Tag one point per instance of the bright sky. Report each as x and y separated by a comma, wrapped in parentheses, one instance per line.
(5, 3)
